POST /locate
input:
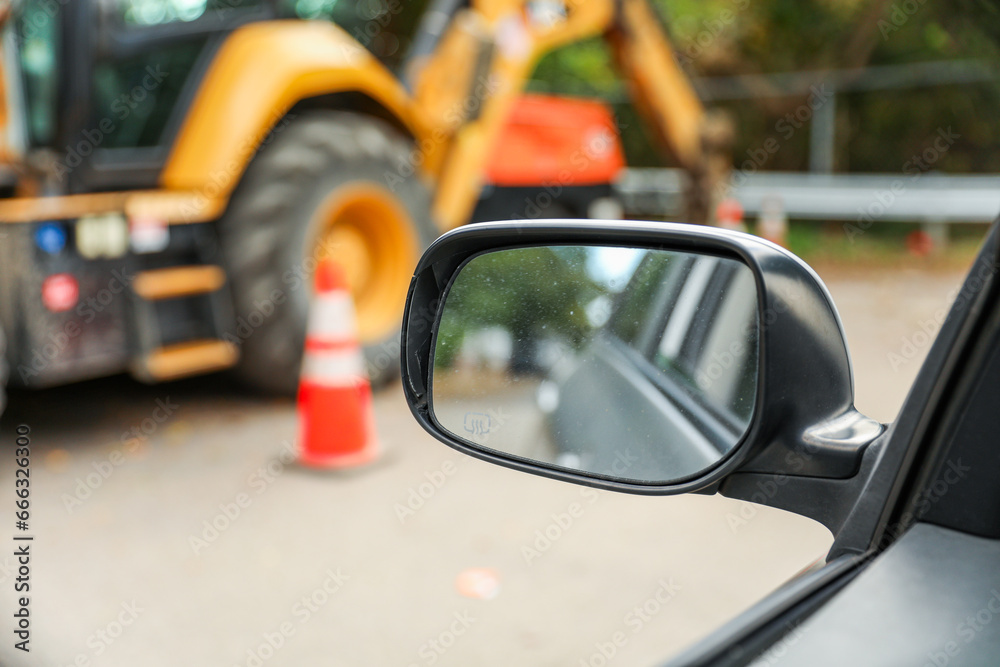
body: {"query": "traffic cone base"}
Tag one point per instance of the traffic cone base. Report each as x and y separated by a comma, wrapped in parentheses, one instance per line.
(331, 431)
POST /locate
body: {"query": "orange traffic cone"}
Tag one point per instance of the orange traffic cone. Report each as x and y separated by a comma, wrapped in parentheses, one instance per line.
(729, 215)
(336, 419)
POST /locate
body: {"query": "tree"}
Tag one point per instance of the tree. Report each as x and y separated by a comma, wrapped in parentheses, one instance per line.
(877, 131)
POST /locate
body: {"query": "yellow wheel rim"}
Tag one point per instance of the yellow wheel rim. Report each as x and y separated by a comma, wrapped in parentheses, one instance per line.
(367, 231)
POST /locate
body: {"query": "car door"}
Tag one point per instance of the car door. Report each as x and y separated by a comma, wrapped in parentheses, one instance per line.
(666, 369)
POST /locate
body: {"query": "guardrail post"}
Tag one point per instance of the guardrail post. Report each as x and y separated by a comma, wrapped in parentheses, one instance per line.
(822, 136)
(937, 231)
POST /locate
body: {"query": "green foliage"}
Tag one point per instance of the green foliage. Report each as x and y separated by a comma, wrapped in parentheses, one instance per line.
(876, 131)
(827, 248)
(582, 68)
(533, 293)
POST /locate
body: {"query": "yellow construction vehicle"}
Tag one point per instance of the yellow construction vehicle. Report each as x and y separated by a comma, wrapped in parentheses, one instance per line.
(171, 171)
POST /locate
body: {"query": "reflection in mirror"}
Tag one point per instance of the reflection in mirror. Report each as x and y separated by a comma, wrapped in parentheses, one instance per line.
(621, 362)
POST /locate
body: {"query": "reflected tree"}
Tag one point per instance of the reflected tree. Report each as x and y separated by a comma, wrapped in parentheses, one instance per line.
(535, 294)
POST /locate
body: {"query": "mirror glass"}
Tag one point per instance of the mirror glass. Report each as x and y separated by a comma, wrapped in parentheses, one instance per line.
(630, 363)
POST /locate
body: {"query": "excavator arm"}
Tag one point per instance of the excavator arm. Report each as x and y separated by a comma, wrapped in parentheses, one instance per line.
(514, 37)
(699, 140)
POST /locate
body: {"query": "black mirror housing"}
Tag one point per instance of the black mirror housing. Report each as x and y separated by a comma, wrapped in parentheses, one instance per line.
(804, 423)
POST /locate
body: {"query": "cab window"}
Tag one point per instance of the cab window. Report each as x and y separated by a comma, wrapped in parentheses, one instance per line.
(38, 26)
(154, 49)
(385, 27)
(162, 12)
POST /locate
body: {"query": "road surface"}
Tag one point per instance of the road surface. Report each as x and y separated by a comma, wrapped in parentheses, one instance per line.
(172, 528)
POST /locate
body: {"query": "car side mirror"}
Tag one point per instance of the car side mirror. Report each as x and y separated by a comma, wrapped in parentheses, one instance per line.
(641, 357)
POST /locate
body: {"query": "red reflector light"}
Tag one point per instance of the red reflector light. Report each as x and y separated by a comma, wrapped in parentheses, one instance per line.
(60, 292)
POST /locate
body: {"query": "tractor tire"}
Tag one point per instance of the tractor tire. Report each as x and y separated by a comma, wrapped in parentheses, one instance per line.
(329, 185)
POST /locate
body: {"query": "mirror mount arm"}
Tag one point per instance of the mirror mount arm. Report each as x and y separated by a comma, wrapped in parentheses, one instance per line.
(830, 501)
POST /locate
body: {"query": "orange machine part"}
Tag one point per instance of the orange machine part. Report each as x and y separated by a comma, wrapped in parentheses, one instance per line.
(569, 141)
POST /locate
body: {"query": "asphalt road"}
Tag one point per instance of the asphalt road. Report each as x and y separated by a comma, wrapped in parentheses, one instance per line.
(363, 567)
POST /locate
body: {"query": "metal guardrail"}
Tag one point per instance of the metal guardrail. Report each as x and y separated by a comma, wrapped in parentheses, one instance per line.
(927, 197)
